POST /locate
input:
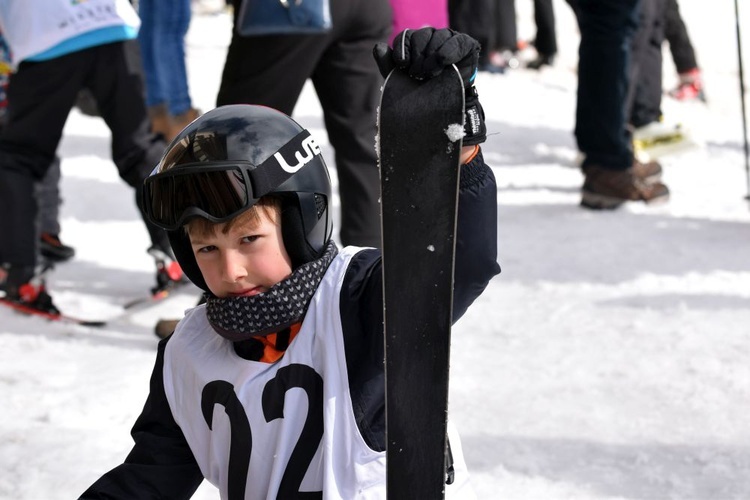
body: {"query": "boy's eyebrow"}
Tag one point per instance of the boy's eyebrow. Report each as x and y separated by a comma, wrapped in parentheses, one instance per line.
(198, 240)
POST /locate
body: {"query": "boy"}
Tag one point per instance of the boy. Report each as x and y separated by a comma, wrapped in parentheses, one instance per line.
(287, 401)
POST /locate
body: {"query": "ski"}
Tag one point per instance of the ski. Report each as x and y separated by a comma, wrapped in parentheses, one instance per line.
(656, 140)
(420, 126)
(183, 293)
(156, 296)
(62, 318)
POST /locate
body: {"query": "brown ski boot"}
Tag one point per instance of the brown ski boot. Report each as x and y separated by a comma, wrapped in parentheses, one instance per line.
(181, 121)
(607, 189)
(161, 122)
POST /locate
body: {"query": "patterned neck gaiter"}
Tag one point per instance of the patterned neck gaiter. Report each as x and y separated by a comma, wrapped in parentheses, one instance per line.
(285, 303)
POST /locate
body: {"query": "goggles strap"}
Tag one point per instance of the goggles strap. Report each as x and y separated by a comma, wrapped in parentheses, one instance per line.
(277, 169)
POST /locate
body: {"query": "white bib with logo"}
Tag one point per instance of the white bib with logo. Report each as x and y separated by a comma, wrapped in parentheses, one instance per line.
(263, 431)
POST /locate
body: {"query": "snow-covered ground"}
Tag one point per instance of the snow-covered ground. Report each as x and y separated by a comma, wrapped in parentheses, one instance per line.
(610, 360)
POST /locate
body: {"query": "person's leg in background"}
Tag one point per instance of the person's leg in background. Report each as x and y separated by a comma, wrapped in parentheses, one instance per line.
(47, 190)
(116, 82)
(51, 247)
(545, 41)
(271, 70)
(40, 96)
(164, 24)
(475, 18)
(174, 19)
(651, 134)
(506, 33)
(156, 100)
(607, 30)
(604, 59)
(348, 86)
(644, 96)
(504, 43)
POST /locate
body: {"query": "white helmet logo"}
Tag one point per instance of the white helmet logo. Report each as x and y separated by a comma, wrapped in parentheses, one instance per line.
(309, 148)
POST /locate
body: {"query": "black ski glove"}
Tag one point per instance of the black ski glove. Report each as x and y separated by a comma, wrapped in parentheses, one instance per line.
(424, 53)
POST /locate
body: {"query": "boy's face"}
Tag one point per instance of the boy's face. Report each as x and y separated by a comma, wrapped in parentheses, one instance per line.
(249, 259)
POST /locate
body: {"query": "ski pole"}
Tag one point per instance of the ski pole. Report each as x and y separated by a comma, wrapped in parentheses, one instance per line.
(742, 98)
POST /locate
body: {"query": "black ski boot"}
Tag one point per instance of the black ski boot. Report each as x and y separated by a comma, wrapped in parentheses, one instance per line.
(30, 297)
(53, 249)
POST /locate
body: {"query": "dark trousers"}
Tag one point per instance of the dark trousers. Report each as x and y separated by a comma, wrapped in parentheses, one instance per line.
(474, 18)
(607, 29)
(546, 36)
(49, 200)
(644, 101)
(676, 34)
(271, 70)
(40, 96)
(506, 30)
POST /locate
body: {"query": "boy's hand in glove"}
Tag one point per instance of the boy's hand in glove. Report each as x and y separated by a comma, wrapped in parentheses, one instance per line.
(424, 53)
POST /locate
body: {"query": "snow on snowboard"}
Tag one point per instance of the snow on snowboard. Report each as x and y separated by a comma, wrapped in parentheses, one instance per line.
(420, 127)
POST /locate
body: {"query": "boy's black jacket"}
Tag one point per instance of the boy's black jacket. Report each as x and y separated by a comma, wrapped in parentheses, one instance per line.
(160, 465)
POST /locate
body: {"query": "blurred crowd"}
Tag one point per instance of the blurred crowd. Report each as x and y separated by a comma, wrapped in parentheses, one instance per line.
(125, 62)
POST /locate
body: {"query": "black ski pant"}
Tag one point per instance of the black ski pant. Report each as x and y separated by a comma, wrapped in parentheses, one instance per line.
(645, 92)
(40, 96)
(545, 41)
(271, 70)
(476, 19)
(506, 29)
(644, 70)
(49, 200)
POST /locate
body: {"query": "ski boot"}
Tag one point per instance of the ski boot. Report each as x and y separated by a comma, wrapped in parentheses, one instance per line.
(30, 297)
(168, 273)
(608, 189)
(540, 61)
(54, 250)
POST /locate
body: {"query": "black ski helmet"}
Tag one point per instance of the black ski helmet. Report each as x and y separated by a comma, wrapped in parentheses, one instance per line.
(246, 152)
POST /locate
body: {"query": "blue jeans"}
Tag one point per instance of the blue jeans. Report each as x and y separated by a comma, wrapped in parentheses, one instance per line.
(164, 24)
(607, 29)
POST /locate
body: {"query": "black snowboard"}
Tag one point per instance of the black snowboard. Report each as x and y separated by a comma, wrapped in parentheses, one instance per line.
(420, 128)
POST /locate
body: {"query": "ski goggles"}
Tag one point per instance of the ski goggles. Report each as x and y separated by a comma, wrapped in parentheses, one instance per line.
(219, 191)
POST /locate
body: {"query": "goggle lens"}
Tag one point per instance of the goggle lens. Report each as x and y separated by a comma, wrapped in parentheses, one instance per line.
(217, 194)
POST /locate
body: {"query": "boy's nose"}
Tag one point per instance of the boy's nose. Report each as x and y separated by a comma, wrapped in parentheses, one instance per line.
(234, 269)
